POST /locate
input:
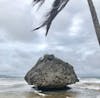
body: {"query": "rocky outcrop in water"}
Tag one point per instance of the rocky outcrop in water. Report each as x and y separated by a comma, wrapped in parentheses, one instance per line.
(51, 72)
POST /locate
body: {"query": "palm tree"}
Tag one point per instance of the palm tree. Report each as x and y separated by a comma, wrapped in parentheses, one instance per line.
(95, 19)
(57, 6)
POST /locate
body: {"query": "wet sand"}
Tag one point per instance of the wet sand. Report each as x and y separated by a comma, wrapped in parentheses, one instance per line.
(17, 88)
(61, 94)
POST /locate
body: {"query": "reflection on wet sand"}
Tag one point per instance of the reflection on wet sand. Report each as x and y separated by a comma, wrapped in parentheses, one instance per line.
(73, 93)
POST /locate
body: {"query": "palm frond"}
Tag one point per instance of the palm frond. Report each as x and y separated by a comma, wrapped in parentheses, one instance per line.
(38, 1)
(57, 6)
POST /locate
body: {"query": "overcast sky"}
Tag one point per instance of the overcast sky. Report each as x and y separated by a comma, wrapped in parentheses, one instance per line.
(71, 37)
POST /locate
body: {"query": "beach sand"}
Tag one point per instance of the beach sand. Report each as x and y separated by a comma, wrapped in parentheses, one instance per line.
(18, 88)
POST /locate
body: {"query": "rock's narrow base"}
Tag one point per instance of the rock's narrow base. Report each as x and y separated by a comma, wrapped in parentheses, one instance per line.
(52, 89)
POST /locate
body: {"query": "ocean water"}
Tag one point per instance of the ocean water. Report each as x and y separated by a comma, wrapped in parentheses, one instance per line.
(14, 87)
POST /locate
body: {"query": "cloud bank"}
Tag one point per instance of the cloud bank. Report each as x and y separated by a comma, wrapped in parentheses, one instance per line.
(71, 37)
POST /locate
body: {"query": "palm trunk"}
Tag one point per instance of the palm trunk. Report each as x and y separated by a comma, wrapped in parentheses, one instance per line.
(95, 19)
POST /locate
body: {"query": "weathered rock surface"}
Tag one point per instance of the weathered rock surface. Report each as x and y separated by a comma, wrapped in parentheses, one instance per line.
(51, 72)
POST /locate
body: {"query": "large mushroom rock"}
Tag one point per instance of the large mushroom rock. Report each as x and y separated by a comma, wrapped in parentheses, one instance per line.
(51, 72)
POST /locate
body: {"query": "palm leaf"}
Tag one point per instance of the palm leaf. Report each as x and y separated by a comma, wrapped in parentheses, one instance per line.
(38, 1)
(57, 6)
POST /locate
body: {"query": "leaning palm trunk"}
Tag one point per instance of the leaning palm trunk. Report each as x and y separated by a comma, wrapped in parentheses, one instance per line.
(95, 19)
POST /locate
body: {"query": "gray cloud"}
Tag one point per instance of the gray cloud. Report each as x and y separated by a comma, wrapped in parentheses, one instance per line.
(71, 37)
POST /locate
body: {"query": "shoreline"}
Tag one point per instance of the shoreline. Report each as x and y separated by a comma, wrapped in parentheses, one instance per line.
(17, 87)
